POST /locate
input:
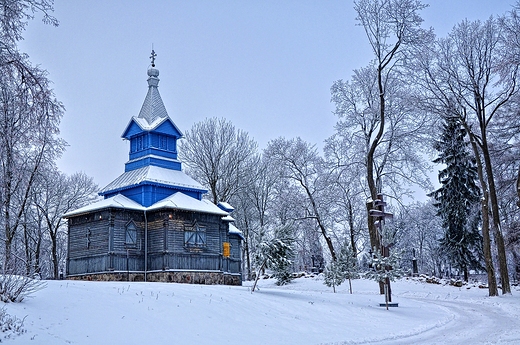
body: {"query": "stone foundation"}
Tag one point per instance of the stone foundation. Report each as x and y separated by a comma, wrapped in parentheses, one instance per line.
(186, 277)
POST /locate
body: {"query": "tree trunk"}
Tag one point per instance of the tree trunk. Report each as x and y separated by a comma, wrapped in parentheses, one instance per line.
(486, 246)
(54, 254)
(375, 242)
(258, 275)
(27, 249)
(248, 257)
(320, 223)
(486, 240)
(518, 187)
(8, 231)
(37, 254)
(351, 226)
(497, 231)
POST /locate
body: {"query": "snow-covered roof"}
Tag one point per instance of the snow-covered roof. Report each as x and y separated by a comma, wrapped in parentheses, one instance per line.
(228, 218)
(224, 205)
(148, 126)
(178, 201)
(117, 201)
(181, 201)
(234, 230)
(154, 174)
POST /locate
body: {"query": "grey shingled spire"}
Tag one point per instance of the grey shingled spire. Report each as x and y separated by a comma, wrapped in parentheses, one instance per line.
(153, 107)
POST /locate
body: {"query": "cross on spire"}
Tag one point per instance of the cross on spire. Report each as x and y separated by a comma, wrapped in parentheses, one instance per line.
(153, 57)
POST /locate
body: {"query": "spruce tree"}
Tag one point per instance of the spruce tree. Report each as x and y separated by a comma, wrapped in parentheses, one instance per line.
(344, 267)
(457, 200)
(385, 267)
(277, 253)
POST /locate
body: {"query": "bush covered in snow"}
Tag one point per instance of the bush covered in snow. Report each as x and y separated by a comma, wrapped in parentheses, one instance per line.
(15, 288)
(10, 325)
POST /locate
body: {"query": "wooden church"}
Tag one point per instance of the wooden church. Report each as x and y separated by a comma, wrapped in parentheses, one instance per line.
(153, 223)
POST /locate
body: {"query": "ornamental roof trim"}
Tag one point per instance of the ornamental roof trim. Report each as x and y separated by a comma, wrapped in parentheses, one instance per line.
(153, 174)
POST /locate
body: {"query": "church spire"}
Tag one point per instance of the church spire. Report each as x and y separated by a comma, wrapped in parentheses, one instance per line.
(153, 107)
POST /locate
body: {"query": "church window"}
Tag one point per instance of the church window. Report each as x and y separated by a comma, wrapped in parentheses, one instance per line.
(88, 234)
(139, 143)
(163, 142)
(195, 235)
(131, 234)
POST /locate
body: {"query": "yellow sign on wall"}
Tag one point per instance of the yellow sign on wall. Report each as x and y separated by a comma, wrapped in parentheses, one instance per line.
(226, 249)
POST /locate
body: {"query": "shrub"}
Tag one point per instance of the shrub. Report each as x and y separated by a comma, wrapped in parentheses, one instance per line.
(15, 288)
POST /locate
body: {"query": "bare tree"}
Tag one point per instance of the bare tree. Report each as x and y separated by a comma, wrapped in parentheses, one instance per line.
(219, 156)
(57, 194)
(366, 104)
(511, 26)
(29, 118)
(253, 207)
(300, 162)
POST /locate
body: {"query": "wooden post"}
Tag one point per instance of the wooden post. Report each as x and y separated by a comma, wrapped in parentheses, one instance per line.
(379, 213)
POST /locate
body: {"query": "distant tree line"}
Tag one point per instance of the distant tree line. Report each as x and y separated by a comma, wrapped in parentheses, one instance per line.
(422, 99)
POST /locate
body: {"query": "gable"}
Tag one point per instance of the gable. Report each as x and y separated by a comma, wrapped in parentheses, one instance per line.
(131, 130)
(169, 128)
(164, 126)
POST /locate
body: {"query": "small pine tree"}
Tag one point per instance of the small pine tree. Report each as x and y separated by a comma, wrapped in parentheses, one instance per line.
(333, 275)
(277, 254)
(457, 200)
(385, 267)
(345, 267)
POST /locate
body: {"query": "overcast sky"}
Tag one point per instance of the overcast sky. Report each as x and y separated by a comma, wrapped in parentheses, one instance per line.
(266, 66)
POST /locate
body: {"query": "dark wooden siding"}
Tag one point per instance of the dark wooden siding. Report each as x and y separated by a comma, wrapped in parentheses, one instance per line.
(120, 220)
(180, 220)
(166, 242)
(88, 234)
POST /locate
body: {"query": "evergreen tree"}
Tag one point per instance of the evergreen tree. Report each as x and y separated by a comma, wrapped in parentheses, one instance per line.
(282, 254)
(457, 200)
(344, 267)
(277, 253)
(383, 267)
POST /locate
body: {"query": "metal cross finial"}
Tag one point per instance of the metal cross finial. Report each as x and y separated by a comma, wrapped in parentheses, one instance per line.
(153, 57)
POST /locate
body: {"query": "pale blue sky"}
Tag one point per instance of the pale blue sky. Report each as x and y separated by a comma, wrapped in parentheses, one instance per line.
(267, 66)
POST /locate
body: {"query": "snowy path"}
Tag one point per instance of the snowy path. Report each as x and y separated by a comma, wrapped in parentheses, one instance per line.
(492, 320)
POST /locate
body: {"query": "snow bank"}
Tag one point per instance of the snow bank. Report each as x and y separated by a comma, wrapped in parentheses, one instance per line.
(303, 312)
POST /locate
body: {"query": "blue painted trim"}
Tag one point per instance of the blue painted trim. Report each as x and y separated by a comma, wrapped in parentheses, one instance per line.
(158, 162)
(152, 151)
(176, 188)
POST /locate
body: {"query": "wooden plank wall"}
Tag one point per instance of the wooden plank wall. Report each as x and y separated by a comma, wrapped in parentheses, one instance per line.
(107, 250)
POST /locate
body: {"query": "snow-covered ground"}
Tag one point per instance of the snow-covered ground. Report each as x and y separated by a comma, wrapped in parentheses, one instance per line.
(303, 312)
